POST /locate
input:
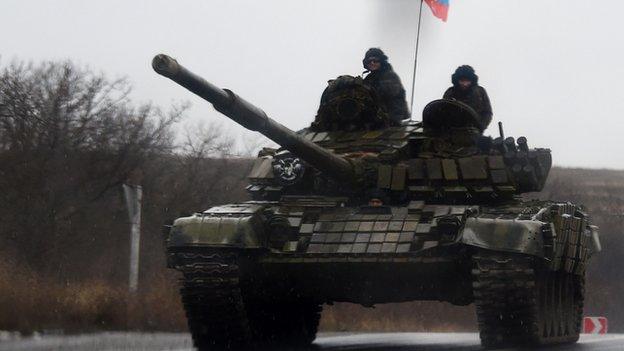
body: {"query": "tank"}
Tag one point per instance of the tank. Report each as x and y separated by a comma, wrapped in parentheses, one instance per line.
(358, 208)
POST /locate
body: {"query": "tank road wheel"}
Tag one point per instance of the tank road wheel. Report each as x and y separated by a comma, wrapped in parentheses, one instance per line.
(222, 313)
(518, 302)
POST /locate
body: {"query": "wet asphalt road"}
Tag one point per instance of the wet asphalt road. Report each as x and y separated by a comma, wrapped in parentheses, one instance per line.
(333, 342)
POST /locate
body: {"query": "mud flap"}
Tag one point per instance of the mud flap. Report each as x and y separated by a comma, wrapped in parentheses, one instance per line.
(512, 235)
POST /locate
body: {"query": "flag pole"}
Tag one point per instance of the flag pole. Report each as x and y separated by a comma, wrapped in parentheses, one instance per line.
(416, 55)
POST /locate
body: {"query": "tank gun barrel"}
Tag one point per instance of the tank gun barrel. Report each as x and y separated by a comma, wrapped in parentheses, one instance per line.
(253, 118)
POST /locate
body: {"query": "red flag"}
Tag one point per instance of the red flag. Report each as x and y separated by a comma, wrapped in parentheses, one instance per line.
(439, 8)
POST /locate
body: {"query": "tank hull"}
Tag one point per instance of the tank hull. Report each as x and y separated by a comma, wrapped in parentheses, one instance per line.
(325, 230)
(261, 254)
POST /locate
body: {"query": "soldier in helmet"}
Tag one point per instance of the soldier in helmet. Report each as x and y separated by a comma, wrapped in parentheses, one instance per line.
(466, 89)
(387, 84)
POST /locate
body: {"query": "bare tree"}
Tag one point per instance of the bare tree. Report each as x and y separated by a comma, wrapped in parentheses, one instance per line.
(206, 140)
(68, 137)
(204, 171)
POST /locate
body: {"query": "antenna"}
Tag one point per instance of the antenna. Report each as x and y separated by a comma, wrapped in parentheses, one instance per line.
(500, 130)
(416, 56)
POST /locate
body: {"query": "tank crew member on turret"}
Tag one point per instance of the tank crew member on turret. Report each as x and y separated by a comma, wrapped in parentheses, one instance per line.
(387, 84)
(466, 89)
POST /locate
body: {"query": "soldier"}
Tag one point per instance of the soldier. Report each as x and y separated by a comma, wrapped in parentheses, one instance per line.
(466, 89)
(377, 198)
(386, 83)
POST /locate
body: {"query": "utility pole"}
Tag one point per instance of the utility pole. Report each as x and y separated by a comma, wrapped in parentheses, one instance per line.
(134, 197)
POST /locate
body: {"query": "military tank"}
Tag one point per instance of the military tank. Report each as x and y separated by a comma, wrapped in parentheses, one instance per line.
(358, 208)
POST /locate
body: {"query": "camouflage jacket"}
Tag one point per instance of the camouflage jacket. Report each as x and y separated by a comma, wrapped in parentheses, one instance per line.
(477, 98)
(388, 86)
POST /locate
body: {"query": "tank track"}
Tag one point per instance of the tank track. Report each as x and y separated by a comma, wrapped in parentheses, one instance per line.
(223, 314)
(213, 301)
(520, 303)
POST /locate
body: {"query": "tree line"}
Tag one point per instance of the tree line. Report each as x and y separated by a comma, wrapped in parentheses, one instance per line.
(69, 138)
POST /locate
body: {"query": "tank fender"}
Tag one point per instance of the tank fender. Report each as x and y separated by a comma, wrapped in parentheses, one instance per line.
(238, 225)
(512, 235)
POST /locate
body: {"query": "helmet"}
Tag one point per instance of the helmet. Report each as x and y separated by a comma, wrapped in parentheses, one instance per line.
(467, 72)
(375, 52)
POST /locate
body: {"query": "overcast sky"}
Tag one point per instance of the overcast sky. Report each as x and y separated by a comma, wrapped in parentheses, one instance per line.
(553, 69)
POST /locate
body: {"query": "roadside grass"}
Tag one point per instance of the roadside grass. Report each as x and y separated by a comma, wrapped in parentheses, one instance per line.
(29, 302)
